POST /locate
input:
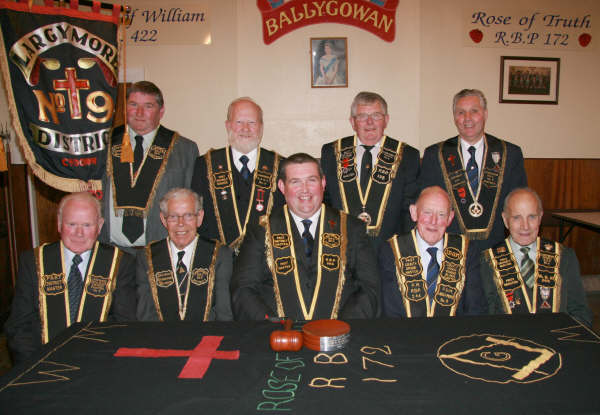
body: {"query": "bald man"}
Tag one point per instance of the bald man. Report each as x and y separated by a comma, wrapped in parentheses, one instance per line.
(425, 273)
(538, 275)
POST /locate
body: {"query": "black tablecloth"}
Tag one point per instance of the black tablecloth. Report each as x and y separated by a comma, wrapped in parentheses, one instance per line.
(541, 364)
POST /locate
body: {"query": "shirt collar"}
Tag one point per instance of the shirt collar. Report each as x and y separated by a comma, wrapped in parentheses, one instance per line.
(148, 137)
(314, 219)
(424, 245)
(465, 146)
(252, 155)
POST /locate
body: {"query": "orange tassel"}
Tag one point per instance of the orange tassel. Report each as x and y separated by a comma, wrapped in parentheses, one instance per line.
(126, 149)
(3, 164)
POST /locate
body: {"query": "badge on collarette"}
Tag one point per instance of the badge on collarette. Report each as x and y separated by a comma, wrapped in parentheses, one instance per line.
(450, 271)
(331, 240)
(222, 179)
(347, 174)
(411, 266)
(330, 262)
(281, 240)
(548, 260)
(116, 150)
(164, 279)
(382, 175)
(96, 285)
(490, 178)
(157, 153)
(53, 284)
(348, 153)
(284, 265)
(510, 282)
(199, 276)
(415, 290)
(263, 179)
(445, 295)
(387, 156)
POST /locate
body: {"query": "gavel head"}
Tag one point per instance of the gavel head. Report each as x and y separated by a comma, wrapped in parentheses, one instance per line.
(286, 340)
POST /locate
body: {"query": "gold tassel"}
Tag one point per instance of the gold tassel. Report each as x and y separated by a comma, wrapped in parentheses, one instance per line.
(3, 164)
(126, 149)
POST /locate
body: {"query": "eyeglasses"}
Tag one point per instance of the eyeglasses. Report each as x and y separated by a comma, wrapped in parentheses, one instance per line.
(376, 116)
(187, 217)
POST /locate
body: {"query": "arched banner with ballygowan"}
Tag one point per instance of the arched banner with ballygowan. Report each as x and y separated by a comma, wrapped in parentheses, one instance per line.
(60, 70)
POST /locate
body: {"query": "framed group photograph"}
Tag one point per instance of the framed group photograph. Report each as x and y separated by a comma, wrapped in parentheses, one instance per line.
(329, 62)
(525, 80)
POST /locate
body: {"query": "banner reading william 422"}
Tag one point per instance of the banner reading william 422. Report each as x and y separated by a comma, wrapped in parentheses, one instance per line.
(60, 69)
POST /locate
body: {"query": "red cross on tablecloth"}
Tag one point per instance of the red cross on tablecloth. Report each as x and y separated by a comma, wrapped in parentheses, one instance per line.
(199, 358)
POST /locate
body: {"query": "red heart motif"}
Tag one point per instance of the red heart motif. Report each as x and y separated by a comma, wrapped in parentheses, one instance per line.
(585, 39)
(476, 35)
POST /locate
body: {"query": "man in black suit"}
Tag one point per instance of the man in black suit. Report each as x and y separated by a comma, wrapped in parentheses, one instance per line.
(427, 272)
(537, 275)
(162, 160)
(80, 279)
(306, 260)
(183, 277)
(238, 182)
(370, 175)
(477, 170)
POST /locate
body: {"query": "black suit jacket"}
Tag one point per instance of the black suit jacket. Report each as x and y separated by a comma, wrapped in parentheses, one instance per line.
(209, 228)
(396, 219)
(514, 177)
(472, 300)
(23, 327)
(253, 296)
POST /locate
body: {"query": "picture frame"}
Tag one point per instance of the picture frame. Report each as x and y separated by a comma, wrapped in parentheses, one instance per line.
(529, 80)
(329, 62)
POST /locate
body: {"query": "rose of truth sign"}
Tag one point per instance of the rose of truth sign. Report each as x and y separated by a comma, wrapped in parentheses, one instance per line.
(60, 70)
(283, 16)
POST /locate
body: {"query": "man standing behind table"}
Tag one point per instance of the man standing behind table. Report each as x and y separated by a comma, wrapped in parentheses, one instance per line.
(162, 160)
(528, 274)
(306, 260)
(370, 175)
(477, 170)
(183, 277)
(426, 272)
(74, 280)
(238, 182)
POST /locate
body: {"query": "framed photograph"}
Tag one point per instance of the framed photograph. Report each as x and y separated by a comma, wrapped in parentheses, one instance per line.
(529, 80)
(329, 62)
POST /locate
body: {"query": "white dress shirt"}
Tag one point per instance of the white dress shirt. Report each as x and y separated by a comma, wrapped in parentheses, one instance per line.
(85, 259)
(360, 151)
(479, 147)
(425, 257)
(251, 159)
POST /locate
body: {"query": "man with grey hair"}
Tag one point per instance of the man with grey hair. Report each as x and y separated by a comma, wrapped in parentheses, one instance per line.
(162, 160)
(76, 279)
(370, 175)
(239, 181)
(183, 277)
(526, 273)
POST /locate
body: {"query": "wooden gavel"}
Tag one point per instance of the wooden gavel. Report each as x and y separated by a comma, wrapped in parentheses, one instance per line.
(286, 340)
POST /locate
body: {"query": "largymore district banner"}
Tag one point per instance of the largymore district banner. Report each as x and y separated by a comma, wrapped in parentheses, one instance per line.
(60, 69)
(283, 16)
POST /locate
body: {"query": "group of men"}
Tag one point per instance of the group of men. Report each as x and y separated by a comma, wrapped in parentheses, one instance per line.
(245, 233)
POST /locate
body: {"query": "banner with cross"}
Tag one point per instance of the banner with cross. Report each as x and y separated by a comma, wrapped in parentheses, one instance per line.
(60, 70)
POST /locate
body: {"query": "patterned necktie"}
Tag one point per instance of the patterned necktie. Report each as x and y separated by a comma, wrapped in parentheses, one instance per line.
(527, 267)
(181, 271)
(307, 238)
(365, 167)
(433, 270)
(75, 283)
(472, 170)
(138, 153)
(245, 170)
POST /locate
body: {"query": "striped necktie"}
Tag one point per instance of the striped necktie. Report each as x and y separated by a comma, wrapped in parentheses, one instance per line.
(433, 269)
(75, 283)
(181, 271)
(472, 170)
(527, 267)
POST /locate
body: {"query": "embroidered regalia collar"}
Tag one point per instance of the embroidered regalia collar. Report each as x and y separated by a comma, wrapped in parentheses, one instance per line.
(411, 276)
(100, 280)
(231, 226)
(514, 294)
(369, 206)
(282, 254)
(135, 191)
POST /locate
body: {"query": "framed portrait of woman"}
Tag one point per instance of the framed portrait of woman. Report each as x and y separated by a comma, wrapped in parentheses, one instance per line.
(329, 62)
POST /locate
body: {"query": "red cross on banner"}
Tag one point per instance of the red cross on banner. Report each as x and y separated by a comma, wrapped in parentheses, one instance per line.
(199, 358)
